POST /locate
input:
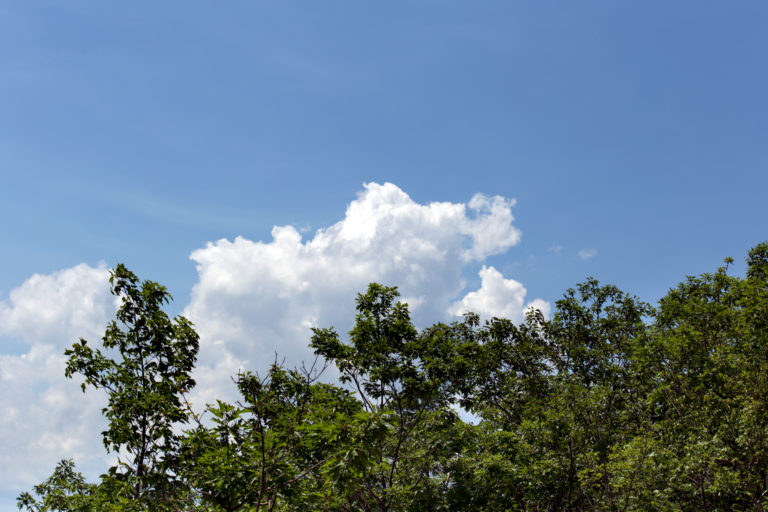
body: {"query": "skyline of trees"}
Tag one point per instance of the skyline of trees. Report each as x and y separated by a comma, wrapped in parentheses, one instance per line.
(611, 404)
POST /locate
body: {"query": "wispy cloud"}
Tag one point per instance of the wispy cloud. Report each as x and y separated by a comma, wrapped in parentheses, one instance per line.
(165, 210)
(586, 254)
(557, 249)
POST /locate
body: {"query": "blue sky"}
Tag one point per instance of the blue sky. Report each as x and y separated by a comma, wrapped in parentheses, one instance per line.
(139, 132)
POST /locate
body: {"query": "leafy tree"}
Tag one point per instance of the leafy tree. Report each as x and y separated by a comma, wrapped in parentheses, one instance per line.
(554, 396)
(64, 490)
(257, 454)
(709, 363)
(145, 368)
(385, 365)
(614, 406)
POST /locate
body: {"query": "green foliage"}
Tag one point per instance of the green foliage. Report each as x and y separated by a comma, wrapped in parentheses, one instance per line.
(64, 490)
(145, 368)
(257, 453)
(610, 405)
(386, 363)
(709, 364)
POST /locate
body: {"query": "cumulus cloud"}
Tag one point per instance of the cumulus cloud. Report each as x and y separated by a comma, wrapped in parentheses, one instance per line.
(498, 297)
(257, 298)
(61, 306)
(586, 254)
(45, 417)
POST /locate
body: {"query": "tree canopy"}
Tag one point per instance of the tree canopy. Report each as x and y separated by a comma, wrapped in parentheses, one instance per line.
(611, 404)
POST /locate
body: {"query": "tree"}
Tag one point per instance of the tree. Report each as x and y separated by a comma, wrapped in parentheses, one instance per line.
(65, 490)
(553, 397)
(260, 453)
(610, 405)
(145, 369)
(385, 364)
(708, 360)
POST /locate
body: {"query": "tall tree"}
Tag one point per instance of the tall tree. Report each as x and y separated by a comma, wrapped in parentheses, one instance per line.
(385, 364)
(145, 368)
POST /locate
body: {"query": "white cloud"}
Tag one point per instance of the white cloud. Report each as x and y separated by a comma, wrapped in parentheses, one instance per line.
(44, 416)
(257, 298)
(65, 305)
(586, 254)
(557, 249)
(498, 297)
